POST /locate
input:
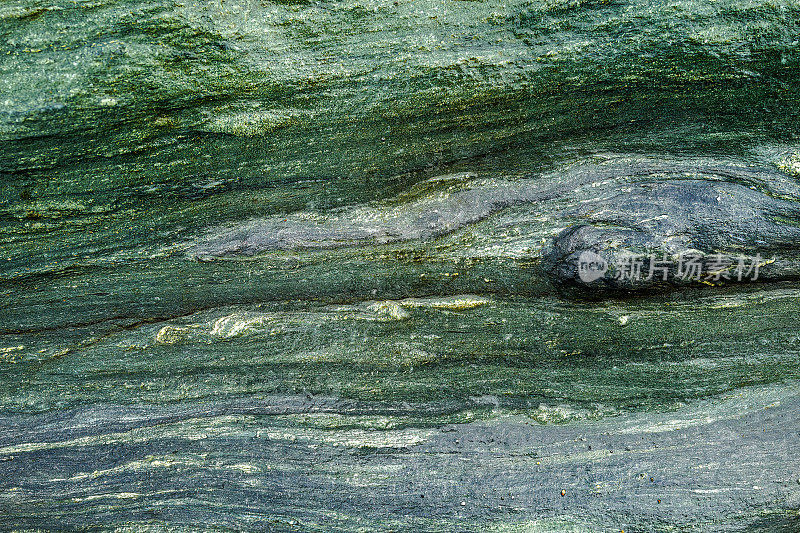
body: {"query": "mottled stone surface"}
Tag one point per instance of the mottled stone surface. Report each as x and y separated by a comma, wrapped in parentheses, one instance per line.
(311, 266)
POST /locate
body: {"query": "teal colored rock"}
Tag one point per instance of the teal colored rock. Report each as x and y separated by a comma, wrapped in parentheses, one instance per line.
(399, 265)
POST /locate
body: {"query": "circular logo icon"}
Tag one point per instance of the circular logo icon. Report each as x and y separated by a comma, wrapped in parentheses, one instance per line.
(591, 266)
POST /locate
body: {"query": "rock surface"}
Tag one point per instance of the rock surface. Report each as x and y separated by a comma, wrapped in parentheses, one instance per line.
(302, 265)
